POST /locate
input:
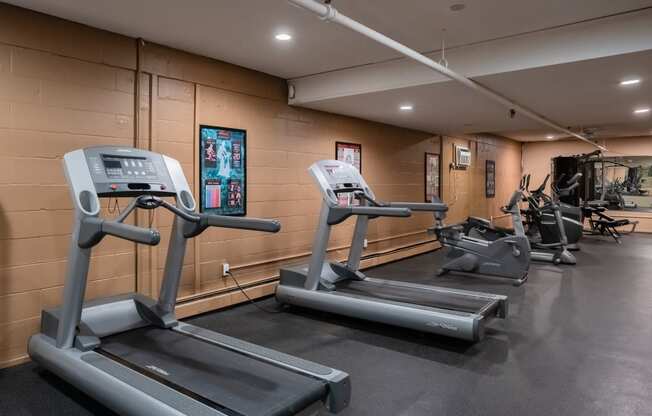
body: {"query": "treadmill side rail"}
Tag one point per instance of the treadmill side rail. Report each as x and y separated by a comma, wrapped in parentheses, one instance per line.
(501, 301)
(453, 323)
(125, 391)
(463, 326)
(339, 387)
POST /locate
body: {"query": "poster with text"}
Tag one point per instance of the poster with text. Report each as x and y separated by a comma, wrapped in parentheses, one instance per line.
(350, 153)
(222, 170)
(432, 176)
(490, 179)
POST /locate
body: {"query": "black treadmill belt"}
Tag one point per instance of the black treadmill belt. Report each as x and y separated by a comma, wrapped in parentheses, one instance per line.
(227, 380)
(395, 293)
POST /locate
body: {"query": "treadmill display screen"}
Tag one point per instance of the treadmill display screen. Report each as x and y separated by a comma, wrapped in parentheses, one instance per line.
(120, 172)
(132, 168)
(112, 164)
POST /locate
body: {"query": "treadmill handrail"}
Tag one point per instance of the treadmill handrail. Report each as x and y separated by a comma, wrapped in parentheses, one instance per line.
(337, 215)
(241, 223)
(94, 229)
(149, 236)
(382, 211)
(421, 206)
(193, 229)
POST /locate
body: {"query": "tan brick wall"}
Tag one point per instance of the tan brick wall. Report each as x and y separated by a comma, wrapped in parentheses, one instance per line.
(282, 143)
(53, 98)
(64, 86)
(464, 190)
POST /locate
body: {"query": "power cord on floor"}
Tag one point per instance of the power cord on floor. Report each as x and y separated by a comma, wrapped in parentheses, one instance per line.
(253, 302)
(115, 207)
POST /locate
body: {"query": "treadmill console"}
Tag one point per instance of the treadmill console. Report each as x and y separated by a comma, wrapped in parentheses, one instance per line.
(123, 171)
(336, 178)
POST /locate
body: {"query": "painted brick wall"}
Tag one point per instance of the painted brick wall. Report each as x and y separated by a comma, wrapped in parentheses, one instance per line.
(53, 98)
(64, 86)
(464, 190)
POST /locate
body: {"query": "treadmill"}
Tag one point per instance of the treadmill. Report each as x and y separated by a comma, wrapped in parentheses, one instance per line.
(129, 352)
(343, 289)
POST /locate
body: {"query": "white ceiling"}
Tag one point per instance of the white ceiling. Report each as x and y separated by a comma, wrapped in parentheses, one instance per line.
(585, 94)
(579, 94)
(241, 32)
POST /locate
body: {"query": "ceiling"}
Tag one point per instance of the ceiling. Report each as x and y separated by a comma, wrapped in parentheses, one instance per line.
(583, 94)
(576, 92)
(241, 31)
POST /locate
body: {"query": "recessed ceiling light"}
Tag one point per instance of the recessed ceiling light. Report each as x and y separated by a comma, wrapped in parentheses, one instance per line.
(406, 107)
(283, 37)
(630, 82)
(641, 110)
(457, 7)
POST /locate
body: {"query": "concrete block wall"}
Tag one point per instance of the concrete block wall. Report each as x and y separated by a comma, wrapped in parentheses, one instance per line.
(464, 190)
(64, 86)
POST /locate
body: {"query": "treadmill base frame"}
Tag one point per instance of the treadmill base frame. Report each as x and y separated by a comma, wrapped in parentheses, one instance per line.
(456, 324)
(133, 393)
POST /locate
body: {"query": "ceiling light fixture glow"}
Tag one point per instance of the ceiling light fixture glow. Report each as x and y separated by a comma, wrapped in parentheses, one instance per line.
(550, 137)
(406, 107)
(630, 82)
(283, 37)
(641, 111)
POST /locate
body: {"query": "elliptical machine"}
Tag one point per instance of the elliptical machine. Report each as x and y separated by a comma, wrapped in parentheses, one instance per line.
(544, 226)
(507, 256)
(482, 228)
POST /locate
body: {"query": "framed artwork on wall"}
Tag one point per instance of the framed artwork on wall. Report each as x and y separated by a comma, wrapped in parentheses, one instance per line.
(490, 178)
(350, 153)
(433, 176)
(222, 170)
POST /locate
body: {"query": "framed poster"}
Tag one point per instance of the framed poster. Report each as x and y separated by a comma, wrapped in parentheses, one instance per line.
(490, 178)
(350, 153)
(222, 170)
(432, 172)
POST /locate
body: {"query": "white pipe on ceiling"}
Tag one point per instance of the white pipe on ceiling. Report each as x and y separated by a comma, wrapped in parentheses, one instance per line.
(330, 14)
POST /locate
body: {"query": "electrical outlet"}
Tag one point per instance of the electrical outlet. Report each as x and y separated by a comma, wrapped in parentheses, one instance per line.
(365, 244)
(225, 269)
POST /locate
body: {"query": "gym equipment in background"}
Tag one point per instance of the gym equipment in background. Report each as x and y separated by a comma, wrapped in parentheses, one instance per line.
(543, 226)
(343, 289)
(129, 352)
(590, 197)
(505, 256)
(569, 166)
(555, 253)
(602, 224)
(612, 194)
(635, 181)
(616, 183)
